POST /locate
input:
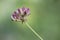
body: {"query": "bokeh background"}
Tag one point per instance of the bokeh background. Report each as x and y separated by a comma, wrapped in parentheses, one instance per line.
(44, 19)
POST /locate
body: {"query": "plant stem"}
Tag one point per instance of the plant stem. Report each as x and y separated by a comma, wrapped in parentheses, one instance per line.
(34, 31)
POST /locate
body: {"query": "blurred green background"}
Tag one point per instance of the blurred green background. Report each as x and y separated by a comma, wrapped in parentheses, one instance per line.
(44, 19)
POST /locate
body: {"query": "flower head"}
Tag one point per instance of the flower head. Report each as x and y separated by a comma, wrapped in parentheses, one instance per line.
(20, 14)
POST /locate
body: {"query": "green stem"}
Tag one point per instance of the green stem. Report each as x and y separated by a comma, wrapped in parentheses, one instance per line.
(34, 31)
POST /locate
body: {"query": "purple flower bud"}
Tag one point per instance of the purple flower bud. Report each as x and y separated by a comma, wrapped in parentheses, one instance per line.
(20, 14)
(26, 11)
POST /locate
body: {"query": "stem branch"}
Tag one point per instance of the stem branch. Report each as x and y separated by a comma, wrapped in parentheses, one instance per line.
(34, 31)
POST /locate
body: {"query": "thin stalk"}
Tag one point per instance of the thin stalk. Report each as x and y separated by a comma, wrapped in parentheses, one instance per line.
(34, 31)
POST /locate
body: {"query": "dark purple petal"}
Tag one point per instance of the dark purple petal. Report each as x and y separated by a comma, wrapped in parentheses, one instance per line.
(28, 11)
(23, 9)
(15, 16)
(19, 10)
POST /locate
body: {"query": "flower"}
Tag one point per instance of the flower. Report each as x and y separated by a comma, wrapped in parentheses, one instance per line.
(20, 14)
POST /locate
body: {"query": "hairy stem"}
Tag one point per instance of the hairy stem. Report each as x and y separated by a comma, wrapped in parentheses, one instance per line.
(34, 31)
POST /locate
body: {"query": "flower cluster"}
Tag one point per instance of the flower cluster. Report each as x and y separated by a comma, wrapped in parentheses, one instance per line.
(20, 14)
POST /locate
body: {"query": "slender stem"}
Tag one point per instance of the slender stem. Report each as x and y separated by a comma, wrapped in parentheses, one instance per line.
(34, 31)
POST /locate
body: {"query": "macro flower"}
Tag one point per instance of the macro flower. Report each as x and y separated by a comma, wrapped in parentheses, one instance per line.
(20, 14)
